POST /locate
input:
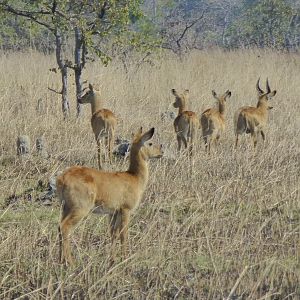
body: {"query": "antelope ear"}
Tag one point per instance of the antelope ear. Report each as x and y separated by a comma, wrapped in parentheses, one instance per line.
(272, 94)
(186, 92)
(174, 92)
(214, 93)
(270, 107)
(228, 94)
(137, 134)
(91, 87)
(147, 136)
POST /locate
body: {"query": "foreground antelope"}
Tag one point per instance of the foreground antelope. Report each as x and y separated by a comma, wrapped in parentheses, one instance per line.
(213, 120)
(83, 189)
(103, 121)
(186, 123)
(253, 120)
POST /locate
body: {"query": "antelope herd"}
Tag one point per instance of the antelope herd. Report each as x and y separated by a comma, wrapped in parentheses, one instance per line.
(82, 190)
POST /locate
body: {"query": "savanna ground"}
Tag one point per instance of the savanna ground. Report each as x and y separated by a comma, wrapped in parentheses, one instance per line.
(203, 226)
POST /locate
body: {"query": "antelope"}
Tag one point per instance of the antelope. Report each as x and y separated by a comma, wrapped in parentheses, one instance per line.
(103, 122)
(186, 123)
(82, 189)
(213, 120)
(253, 120)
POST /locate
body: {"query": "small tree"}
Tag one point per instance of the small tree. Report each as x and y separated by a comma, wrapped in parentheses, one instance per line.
(99, 23)
(89, 22)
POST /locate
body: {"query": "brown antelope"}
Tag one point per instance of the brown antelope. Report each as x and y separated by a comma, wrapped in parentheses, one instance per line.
(186, 123)
(213, 120)
(103, 121)
(253, 120)
(117, 194)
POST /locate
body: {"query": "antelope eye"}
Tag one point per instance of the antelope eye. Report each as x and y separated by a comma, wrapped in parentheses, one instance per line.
(150, 144)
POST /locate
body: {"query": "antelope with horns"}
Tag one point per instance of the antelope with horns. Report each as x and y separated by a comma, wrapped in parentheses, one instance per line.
(117, 194)
(213, 120)
(186, 123)
(103, 122)
(253, 120)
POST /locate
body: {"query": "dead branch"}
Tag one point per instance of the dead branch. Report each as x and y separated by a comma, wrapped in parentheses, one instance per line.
(53, 90)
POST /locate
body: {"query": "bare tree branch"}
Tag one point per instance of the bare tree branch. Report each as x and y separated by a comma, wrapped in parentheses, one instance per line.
(53, 90)
(29, 15)
(103, 10)
(187, 27)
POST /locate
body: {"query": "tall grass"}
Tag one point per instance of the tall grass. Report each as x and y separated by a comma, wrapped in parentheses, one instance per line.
(219, 225)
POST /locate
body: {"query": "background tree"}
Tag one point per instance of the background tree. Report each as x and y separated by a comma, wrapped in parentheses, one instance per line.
(175, 22)
(267, 23)
(226, 23)
(191, 24)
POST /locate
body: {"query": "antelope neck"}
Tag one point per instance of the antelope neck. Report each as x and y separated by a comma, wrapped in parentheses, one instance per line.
(222, 108)
(96, 103)
(182, 108)
(138, 166)
(262, 105)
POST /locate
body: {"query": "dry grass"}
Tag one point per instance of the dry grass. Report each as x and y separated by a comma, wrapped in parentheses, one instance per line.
(200, 224)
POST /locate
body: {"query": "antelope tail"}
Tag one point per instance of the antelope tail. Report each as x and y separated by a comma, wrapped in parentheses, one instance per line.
(204, 123)
(191, 128)
(242, 124)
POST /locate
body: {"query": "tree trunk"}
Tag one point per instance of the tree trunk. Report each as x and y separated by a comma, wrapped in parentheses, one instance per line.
(79, 55)
(64, 75)
(154, 8)
(64, 92)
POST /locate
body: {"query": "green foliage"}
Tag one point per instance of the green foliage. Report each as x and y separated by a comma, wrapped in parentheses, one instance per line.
(247, 23)
(122, 28)
(19, 33)
(264, 24)
(100, 22)
(144, 25)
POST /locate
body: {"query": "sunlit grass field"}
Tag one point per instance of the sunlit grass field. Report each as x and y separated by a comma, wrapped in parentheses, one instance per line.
(211, 227)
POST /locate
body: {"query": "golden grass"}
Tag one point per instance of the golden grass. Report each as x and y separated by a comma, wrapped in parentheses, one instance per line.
(200, 224)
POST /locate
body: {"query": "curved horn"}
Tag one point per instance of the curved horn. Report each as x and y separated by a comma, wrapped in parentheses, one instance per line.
(268, 86)
(258, 88)
(228, 94)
